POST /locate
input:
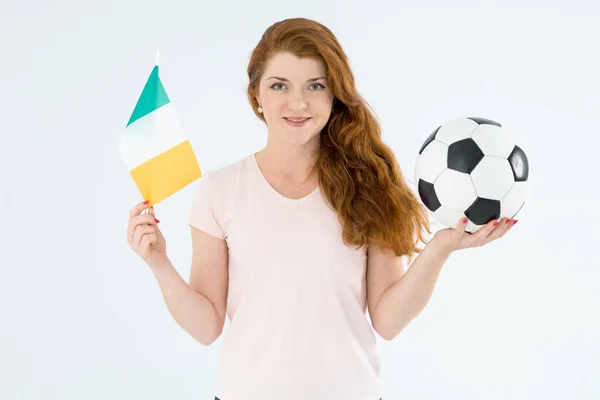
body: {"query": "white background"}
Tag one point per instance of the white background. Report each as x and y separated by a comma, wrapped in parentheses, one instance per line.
(81, 316)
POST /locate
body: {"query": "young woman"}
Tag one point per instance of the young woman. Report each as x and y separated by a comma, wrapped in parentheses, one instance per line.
(294, 243)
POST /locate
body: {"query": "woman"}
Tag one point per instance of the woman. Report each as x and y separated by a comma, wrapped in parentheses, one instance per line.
(296, 242)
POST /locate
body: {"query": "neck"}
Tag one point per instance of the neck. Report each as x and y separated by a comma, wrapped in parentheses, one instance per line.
(290, 162)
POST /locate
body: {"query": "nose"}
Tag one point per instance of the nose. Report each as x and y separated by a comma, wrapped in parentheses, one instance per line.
(297, 102)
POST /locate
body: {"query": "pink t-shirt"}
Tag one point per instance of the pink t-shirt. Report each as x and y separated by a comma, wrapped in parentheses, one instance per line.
(297, 297)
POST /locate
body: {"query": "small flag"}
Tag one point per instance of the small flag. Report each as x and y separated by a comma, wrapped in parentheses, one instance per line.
(154, 146)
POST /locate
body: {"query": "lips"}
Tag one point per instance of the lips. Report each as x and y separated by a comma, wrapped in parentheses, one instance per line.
(296, 119)
(297, 124)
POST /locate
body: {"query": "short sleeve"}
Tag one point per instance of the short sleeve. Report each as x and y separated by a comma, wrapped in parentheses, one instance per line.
(203, 213)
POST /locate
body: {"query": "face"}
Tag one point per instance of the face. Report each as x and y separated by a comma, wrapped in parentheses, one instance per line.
(295, 88)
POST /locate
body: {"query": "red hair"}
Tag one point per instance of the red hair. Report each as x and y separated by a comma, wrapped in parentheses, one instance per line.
(358, 174)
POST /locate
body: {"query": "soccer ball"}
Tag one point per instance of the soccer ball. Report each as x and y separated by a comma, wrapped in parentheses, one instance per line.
(471, 167)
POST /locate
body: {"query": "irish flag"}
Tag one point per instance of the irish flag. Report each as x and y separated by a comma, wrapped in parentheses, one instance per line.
(154, 146)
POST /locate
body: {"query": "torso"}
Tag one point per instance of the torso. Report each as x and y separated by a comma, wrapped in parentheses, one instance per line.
(296, 302)
(292, 190)
(286, 187)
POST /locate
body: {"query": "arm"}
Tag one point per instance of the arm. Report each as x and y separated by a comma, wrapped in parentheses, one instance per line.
(395, 297)
(199, 308)
(190, 309)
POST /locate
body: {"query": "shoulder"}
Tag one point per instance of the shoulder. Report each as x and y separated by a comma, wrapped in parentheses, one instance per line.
(225, 175)
(222, 184)
(213, 192)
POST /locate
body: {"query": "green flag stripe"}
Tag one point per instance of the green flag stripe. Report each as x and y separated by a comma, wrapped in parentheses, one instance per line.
(153, 96)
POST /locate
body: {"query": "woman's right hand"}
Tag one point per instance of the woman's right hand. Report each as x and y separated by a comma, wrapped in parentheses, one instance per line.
(145, 238)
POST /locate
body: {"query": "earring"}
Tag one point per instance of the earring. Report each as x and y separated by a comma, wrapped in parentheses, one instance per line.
(259, 110)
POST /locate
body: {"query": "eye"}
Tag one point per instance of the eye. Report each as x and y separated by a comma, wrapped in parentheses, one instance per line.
(318, 86)
(273, 86)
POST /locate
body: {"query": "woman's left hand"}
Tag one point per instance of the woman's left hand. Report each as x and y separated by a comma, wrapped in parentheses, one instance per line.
(452, 239)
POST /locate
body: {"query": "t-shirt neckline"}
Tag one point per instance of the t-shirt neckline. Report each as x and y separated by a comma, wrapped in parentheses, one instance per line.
(272, 189)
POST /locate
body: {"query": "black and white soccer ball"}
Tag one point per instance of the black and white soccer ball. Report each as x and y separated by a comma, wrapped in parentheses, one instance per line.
(471, 167)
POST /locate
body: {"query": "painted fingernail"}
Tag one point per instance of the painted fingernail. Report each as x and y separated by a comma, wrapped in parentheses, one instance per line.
(464, 221)
(508, 220)
(157, 221)
(496, 223)
(146, 202)
(514, 221)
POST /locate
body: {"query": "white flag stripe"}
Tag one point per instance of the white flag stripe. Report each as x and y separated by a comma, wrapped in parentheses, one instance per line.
(151, 136)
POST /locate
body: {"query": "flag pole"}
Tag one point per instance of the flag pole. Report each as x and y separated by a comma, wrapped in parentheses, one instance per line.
(147, 210)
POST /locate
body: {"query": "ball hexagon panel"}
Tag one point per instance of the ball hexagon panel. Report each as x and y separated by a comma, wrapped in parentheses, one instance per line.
(464, 155)
(493, 140)
(455, 190)
(455, 130)
(492, 177)
(450, 218)
(519, 164)
(447, 216)
(432, 161)
(511, 204)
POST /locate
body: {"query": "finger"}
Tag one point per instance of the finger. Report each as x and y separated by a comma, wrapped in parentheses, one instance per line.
(461, 226)
(511, 224)
(140, 220)
(139, 207)
(148, 240)
(135, 211)
(151, 212)
(505, 224)
(460, 229)
(138, 235)
(499, 227)
(479, 237)
(143, 219)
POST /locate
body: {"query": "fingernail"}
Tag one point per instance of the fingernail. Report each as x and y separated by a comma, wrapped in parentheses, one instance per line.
(514, 221)
(157, 221)
(507, 220)
(496, 223)
(146, 202)
(464, 221)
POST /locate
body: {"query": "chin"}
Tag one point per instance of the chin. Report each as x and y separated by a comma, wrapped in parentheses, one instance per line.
(299, 138)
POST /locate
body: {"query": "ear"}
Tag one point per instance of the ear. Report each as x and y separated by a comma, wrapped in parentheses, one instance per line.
(256, 93)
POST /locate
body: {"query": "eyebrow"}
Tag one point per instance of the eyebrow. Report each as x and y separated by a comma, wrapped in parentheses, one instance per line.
(286, 80)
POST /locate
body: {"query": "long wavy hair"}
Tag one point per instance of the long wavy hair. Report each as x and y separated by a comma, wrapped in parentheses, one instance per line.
(358, 174)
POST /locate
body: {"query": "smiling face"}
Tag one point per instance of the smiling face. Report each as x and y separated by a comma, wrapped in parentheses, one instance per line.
(295, 98)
